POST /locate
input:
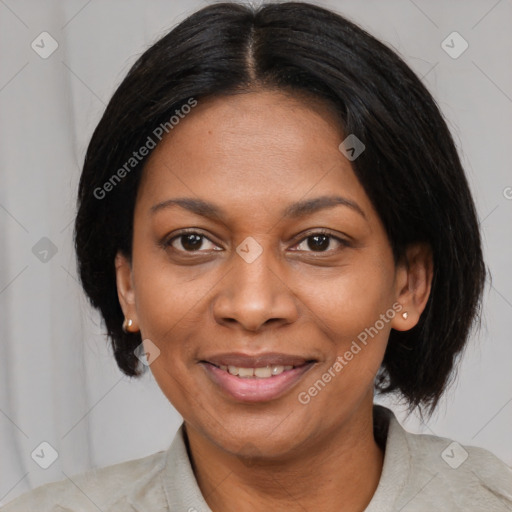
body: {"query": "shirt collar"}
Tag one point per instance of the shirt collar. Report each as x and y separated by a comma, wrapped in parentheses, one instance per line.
(183, 493)
(397, 461)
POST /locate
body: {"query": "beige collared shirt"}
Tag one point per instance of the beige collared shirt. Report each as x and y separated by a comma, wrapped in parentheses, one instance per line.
(421, 473)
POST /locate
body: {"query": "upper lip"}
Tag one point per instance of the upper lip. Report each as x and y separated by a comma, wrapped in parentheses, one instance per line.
(241, 360)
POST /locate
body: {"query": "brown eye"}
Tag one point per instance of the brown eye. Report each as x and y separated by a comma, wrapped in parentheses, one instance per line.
(191, 242)
(319, 242)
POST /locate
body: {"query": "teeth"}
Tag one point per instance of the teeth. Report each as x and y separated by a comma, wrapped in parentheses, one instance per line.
(276, 370)
(246, 372)
(261, 373)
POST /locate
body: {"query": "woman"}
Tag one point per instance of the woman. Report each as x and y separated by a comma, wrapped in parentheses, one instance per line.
(273, 216)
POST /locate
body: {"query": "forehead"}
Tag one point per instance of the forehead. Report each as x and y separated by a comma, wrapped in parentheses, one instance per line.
(260, 148)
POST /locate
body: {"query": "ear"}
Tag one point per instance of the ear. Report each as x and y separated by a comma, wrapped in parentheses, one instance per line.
(413, 285)
(126, 290)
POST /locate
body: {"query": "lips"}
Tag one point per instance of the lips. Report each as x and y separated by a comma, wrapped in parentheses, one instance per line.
(241, 376)
(256, 361)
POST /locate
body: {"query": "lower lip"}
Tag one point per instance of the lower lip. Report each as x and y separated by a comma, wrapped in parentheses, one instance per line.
(254, 389)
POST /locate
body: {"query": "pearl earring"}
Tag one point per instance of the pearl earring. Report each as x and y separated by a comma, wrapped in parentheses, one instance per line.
(128, 322)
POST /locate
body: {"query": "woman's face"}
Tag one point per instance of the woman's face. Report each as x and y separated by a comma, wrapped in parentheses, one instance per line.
(288, 265)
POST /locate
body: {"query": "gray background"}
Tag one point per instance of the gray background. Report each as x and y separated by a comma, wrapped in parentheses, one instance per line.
(58, 381)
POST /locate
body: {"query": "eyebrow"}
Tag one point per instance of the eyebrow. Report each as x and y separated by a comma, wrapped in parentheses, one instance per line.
(296, 210)
(307, 207)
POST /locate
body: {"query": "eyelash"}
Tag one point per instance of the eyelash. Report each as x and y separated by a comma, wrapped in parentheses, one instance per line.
(168, 243)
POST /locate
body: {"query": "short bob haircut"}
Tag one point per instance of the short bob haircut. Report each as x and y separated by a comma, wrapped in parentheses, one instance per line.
(410, 169)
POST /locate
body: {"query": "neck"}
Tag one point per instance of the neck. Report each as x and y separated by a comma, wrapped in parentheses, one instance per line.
(340, 471)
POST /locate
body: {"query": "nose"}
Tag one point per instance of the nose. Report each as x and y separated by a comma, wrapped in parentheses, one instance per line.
(253, 295)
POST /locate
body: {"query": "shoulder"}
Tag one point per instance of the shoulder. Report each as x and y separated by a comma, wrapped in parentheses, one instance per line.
(427, 472)
(95, 489)
(447, 474)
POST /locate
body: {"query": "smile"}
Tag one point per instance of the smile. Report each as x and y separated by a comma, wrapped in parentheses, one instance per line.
(263, 372)
(255, 384)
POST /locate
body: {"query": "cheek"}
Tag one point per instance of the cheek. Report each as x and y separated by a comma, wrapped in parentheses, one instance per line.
(355, 311)
(168, 307)
(352, 299)
(168, 296)
(356, 318)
